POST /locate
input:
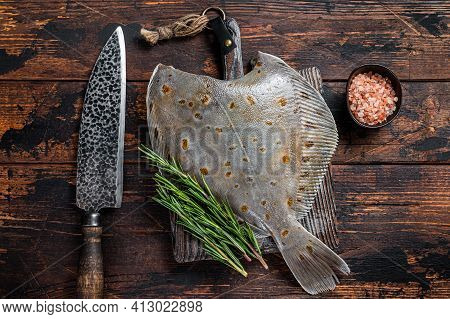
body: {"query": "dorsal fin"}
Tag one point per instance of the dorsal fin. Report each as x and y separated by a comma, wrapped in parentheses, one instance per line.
(318, 134)
(321, 219)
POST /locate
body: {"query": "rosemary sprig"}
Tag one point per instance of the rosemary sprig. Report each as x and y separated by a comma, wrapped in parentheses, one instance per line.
(212, 221)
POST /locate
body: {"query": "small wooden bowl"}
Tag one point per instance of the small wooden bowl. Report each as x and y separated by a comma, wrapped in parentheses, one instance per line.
(385, 72)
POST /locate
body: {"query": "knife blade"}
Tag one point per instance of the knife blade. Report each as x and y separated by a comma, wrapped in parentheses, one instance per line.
(100, 157)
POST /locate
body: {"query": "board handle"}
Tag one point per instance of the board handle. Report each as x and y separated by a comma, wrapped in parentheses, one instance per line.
(232, 65)
(90, 272)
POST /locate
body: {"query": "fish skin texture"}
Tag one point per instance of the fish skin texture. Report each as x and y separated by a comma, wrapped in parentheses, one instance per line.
(263, 142)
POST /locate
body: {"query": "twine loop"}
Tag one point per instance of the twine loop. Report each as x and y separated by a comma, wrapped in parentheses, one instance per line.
(186, 26)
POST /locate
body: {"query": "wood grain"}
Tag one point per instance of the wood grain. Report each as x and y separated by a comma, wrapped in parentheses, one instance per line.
(90, 272)
(61, 39)
(39, 121)
(392, 184)
(393, 228)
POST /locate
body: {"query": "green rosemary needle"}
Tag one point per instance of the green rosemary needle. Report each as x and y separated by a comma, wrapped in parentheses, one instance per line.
(210, 220)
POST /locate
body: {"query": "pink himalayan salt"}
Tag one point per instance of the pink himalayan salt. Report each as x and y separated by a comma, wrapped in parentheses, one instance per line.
(372, 98)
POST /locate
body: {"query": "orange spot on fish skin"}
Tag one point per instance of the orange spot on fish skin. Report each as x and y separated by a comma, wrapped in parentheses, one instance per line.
(250, 100)
(258, 64)
(282, 101)
(236, 185)
(182, 102)
(284, 233)
(218, 130)
(190, 104)
(263, 202)
(227, 164)
(205, 99)
(204, 171)
(166, 89)
(245, 159)
(262, 149)
(227, 174)
(198, 116)
(184, 144)
(269, 123)
(267, 216)
(290, 201)
(309, 144)
(232, 105)
(286, 159)
(309, 248)
(244, 208)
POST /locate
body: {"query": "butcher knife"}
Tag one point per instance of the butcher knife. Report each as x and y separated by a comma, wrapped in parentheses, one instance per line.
(100, 157)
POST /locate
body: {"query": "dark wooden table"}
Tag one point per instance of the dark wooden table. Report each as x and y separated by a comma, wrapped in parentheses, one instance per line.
(392, 184)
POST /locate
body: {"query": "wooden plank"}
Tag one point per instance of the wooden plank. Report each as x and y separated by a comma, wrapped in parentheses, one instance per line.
(39, 121)
(393, 229)
(61, 39)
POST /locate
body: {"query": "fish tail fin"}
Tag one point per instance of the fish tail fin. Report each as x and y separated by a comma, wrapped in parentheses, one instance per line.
(310, 260)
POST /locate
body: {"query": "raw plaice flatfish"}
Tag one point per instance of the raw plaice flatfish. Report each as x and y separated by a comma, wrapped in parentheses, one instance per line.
(263, 142)
(321, 219)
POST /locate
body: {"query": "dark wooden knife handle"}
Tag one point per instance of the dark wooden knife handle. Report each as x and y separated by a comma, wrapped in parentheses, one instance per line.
(90, 272)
